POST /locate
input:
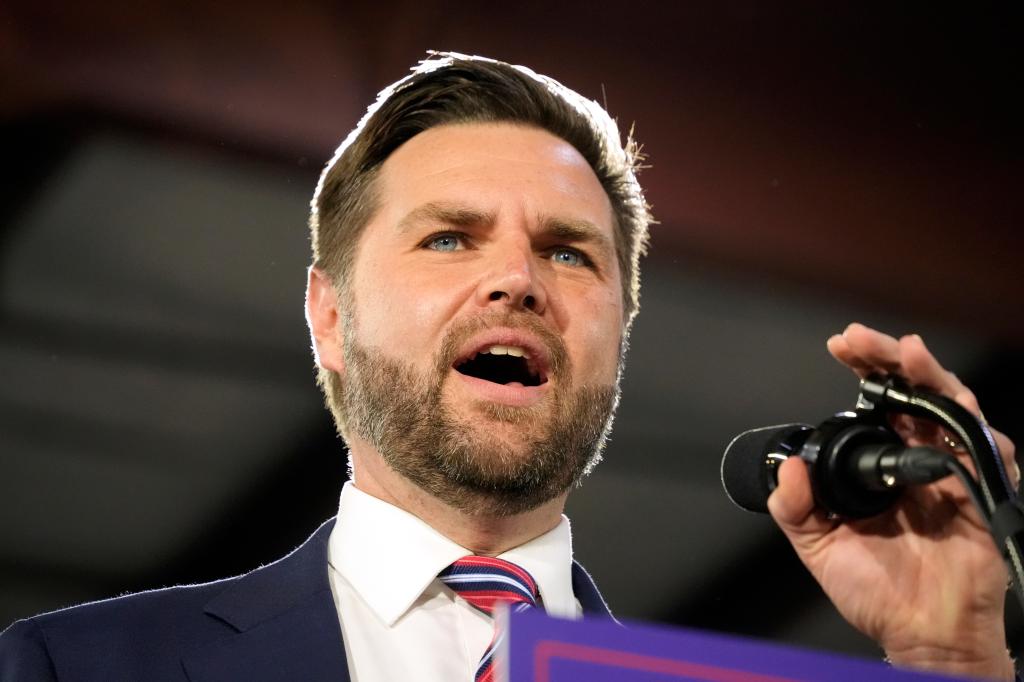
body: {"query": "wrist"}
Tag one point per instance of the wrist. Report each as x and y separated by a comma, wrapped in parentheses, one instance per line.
(993, 666)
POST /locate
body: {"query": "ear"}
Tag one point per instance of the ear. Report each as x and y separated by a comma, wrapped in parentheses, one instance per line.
(323, 318)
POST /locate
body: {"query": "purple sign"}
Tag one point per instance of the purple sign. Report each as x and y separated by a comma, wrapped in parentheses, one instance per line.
(538, 648)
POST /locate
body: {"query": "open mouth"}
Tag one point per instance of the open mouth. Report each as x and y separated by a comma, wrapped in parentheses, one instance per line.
(508, 365)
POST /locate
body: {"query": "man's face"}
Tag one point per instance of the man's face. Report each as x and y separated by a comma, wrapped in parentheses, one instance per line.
(484, 317)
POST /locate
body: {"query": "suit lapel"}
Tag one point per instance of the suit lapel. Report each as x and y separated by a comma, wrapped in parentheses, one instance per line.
(286, 622)
(287, 625)
(586, 592)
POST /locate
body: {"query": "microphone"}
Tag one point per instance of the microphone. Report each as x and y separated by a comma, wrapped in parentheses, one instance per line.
(857, 468)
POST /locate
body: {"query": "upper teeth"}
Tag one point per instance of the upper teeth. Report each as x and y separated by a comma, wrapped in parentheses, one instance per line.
(508, 350)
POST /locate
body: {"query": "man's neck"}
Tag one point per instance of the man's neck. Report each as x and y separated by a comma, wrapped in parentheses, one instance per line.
(482, 534)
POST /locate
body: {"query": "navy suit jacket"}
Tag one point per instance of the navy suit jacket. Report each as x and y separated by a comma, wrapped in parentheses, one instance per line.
(277, 623)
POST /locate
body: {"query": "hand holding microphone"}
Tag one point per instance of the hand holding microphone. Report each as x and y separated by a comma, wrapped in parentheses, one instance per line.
(914, 568)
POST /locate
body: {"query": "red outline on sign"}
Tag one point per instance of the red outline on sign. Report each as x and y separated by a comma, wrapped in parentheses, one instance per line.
(547, 649)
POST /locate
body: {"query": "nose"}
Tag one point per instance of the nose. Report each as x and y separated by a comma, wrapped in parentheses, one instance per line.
(512, 279)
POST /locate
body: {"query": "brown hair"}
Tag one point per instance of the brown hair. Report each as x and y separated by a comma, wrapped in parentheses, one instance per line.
(448, 88)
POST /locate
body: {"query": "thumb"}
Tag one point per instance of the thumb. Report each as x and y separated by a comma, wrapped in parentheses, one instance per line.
(792, 506)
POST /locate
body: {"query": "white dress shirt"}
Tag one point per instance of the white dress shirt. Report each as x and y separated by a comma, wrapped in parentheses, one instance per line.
(399, 622)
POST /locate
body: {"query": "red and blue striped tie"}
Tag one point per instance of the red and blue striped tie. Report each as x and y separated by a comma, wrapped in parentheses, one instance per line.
(485, 582)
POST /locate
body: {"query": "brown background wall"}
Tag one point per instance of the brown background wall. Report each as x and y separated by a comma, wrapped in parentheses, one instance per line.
(811, 163)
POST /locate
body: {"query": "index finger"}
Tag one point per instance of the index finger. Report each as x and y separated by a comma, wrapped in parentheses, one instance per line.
(866, 351)
(921, 368)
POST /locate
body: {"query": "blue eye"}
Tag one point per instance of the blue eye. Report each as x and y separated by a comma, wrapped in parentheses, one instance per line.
(569, 257)
(444, 242)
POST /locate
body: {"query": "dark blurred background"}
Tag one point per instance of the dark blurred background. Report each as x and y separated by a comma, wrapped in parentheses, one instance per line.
(811, 164)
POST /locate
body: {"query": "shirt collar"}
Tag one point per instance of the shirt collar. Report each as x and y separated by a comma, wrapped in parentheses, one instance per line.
(390, 556)
(548, 558)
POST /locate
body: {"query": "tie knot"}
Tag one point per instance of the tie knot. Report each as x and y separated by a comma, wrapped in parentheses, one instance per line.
(485, 581)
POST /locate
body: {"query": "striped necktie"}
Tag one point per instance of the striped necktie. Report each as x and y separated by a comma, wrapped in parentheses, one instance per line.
(485, 582)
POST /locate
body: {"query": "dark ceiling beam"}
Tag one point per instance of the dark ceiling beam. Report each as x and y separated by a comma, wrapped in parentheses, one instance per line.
(857, 150)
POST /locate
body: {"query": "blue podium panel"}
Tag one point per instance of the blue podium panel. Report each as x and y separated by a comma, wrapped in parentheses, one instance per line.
(538, 648)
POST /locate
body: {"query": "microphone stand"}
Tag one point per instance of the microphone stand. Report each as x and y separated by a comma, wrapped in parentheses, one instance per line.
(998, 503)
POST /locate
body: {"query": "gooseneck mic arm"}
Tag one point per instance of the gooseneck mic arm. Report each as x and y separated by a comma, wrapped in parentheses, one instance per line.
(998, 502)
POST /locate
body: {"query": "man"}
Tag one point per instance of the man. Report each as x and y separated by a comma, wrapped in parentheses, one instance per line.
(476, 243)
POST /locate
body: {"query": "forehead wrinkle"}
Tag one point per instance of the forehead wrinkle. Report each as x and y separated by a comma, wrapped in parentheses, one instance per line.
(446, 213)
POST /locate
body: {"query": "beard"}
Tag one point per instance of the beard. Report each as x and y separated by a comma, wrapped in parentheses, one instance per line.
(458, 458)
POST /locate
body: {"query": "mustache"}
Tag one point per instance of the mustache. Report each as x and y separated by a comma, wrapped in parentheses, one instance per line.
(463, 329)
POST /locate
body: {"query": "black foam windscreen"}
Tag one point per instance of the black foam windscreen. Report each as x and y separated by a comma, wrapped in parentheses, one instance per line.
(745, 472)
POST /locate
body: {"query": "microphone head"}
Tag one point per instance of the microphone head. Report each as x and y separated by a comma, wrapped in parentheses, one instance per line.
(747, 475)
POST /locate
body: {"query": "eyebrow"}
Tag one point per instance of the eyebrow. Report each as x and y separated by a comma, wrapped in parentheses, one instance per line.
(448, 214)
(579, 231)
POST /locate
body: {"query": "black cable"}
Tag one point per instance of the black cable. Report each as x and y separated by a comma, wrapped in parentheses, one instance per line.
(973, 489)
